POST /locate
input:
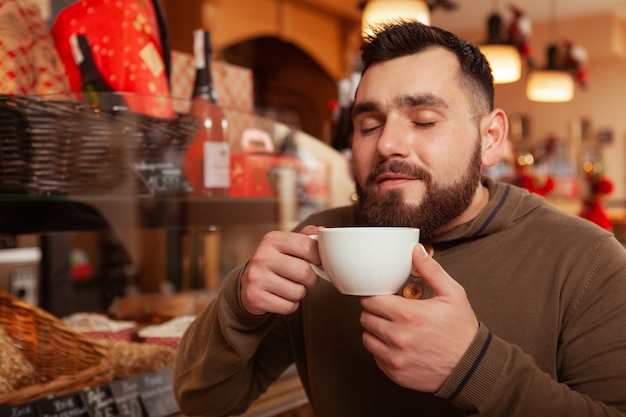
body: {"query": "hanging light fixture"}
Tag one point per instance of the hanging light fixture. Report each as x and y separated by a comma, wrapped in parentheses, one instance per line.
(376, 12)
(553, 84)
(504, 58)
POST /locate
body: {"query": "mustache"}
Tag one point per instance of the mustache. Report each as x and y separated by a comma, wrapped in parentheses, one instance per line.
(399, 167)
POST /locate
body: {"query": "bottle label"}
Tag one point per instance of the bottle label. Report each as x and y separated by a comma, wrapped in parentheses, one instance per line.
(76, 52)
(199, 51)
(216, 165)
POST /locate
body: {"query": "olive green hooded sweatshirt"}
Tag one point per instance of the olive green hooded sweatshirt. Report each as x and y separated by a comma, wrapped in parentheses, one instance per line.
(548, 288)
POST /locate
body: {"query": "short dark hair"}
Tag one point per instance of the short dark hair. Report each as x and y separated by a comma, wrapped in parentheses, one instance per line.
(399, 38)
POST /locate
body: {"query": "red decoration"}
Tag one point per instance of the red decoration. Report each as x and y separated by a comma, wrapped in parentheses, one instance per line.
(576, 58)
(126, 45)
(592, 209)
(535, 184)
(519, 32)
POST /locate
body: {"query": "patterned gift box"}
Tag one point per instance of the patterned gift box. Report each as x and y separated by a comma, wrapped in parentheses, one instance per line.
(182, 76)
(234, 84)
(29, 62)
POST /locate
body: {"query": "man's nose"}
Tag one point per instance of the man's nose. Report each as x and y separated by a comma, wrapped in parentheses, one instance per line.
(394, 140)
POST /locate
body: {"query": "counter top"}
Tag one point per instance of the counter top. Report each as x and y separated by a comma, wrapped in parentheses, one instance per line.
(286, 394)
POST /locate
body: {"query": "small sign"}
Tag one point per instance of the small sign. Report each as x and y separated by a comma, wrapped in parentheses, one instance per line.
(162, 177)
(100, 402)
(156, 393)
(19, 410)
(126, 394)
(70, 405)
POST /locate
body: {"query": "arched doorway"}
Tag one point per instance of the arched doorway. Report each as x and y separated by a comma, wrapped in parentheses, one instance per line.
(289, 85)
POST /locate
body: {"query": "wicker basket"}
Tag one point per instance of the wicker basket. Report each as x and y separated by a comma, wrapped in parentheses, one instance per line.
(65, 360)
(60, 145)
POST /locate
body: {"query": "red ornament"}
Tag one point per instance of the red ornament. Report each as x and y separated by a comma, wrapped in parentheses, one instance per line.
(592, 209)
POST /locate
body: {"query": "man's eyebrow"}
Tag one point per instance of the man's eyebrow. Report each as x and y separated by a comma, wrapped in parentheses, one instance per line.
(364, 107)
(404, 101)
(421, 100)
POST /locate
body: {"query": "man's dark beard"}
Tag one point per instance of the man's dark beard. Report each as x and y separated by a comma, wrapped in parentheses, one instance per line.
(440, 205)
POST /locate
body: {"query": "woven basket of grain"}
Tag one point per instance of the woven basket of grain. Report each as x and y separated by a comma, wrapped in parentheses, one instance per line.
(63, 359)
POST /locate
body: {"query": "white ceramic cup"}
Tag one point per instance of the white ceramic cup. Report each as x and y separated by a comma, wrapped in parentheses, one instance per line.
(366, 260)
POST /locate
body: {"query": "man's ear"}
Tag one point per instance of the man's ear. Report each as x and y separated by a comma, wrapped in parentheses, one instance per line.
(494, 130)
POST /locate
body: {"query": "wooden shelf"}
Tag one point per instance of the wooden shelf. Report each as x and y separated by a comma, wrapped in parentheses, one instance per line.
(44, 214)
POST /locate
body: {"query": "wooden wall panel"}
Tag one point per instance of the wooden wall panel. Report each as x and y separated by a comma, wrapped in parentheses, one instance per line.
(234, 21)
(317, 33)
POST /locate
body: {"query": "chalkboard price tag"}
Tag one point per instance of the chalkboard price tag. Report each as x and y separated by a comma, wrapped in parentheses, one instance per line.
(126, 394)
(70, 405)
(100, 402)
(20, 410)
(162, 177)
(157, 396)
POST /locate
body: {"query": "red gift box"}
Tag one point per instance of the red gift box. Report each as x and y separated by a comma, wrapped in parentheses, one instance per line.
(254, 170)
(126, 46)
(250, 169)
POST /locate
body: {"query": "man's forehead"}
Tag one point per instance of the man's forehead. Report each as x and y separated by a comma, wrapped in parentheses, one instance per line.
(422, 78)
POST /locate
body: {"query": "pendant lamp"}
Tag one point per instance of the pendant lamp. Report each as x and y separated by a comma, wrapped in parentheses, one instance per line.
(553, 84)
(376, 12)
(504, 58)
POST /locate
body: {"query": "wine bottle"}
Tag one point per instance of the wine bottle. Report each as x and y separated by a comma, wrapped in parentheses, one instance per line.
(207, 162)
(94, 86)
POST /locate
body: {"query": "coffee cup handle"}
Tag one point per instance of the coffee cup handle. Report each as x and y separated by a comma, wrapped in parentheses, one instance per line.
(319, 269)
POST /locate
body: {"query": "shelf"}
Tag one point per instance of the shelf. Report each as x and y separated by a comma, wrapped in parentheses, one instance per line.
(25, 214)
(285, 394)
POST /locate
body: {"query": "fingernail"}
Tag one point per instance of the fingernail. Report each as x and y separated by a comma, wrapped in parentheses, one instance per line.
(425, 253)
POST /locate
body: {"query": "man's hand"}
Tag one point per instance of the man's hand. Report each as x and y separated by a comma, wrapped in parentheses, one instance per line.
(417, 343)
(278, 274)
